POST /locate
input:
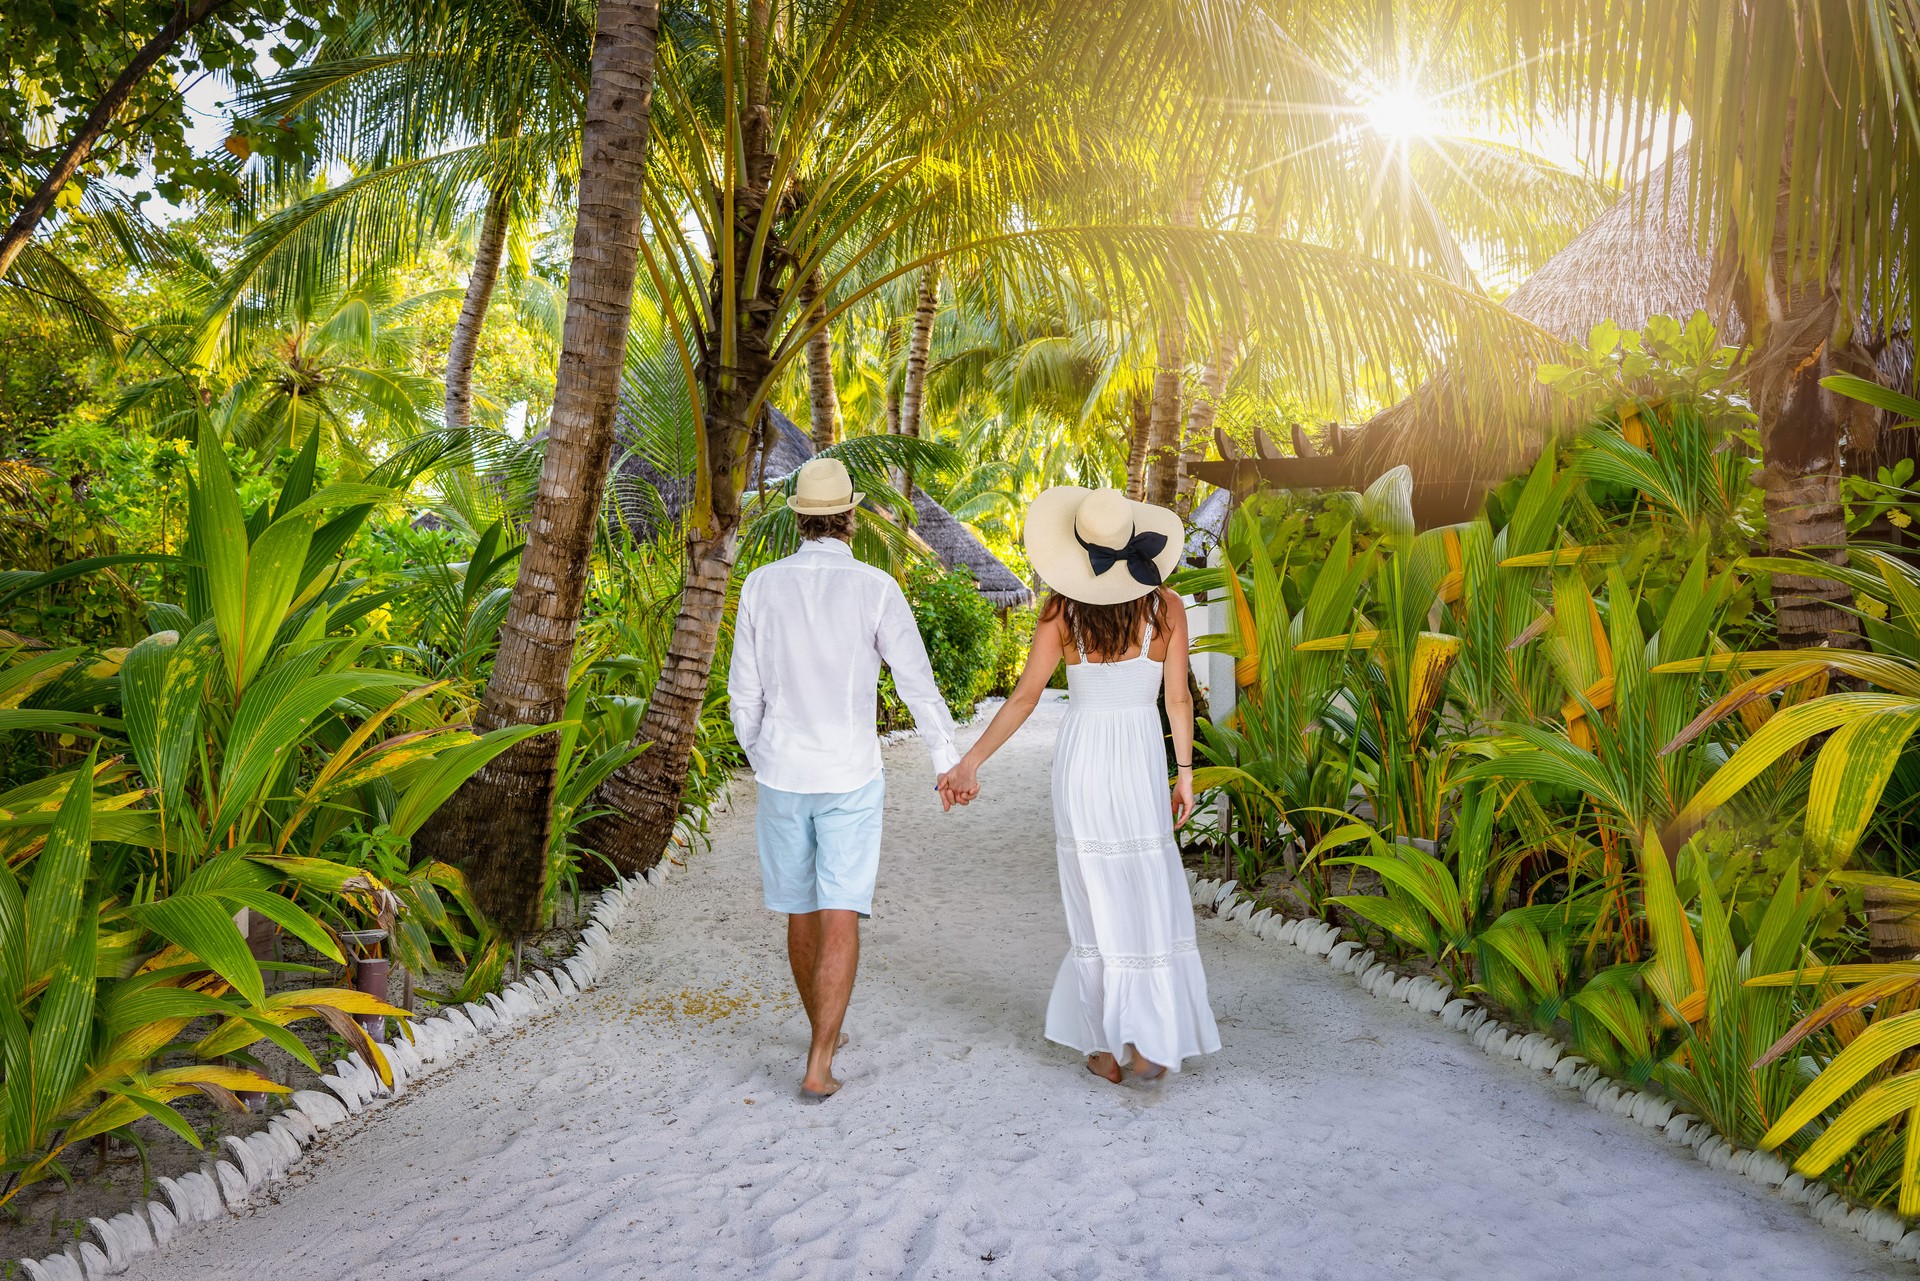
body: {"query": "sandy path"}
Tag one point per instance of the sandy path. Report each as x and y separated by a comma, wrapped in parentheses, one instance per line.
(649, 1129)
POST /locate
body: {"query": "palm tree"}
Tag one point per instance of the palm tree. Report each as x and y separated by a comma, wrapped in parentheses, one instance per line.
(913, 387)
(1805, 134)
(429, 108)
(823, 399)
(528, 684)
(338, 356)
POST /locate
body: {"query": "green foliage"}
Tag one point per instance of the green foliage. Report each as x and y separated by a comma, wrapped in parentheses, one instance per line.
(964, 639)
(52, 72)
(1666, 358)
(96, 986)
(1016, 638)
(1549, 758)
(267, 758)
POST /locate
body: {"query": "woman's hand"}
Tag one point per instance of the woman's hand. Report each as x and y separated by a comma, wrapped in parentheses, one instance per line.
(959, 785)
(1183, 798)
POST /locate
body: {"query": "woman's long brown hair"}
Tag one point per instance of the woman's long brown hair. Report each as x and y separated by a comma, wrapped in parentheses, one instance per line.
(1102, 633)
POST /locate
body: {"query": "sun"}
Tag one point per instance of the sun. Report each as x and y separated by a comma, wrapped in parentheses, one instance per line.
(1402, 112)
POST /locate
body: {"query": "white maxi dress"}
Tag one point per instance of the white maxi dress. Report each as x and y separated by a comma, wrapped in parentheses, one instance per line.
(1131, 981)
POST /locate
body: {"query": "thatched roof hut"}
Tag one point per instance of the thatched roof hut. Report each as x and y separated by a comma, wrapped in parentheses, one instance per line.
(1637, 260)
(650, 498)
(957, 548)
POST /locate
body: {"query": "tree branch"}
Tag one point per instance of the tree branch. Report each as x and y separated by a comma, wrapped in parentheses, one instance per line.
(21, 229)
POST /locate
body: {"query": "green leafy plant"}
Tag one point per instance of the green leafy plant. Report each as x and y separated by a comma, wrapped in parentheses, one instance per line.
(94, 987)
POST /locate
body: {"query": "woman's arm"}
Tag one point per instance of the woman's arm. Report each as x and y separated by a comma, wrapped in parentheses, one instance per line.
(1176, 671)
(962, 782)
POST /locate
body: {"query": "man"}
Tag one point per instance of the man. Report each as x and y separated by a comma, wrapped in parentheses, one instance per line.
(808, 641)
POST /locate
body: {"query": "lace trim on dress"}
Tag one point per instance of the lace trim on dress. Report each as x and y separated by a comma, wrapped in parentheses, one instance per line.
(1107, 849)
(1132, 961)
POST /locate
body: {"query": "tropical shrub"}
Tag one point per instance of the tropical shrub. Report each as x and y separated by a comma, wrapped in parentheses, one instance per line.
(1547, 753)
(255, 752)
(96, 984)
(962, 634)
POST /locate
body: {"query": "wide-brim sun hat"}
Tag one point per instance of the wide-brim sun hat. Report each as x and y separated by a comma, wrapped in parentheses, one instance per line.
(823, 488)
(1099, 547)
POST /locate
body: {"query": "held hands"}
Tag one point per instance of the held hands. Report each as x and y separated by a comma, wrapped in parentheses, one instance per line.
(958, 786)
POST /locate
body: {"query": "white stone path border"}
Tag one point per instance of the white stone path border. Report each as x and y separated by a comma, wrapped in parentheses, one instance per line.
(1543, 1053)
(236, 1175)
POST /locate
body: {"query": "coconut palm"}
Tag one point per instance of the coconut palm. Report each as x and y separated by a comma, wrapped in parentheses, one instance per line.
(872, 142)
(339, 354)
(466, 110)
(1804, 136)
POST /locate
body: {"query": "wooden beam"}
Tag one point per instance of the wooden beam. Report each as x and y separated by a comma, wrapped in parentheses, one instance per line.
(1241, 474)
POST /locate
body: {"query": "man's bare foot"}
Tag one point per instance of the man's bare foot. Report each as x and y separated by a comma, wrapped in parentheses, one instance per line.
(844, 1038)
(813, 1092)
(1104, 1065)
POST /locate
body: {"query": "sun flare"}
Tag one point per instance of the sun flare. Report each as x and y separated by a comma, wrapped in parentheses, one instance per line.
(1401, 111)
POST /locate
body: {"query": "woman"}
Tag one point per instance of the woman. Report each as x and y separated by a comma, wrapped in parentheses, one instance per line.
(1131, 990)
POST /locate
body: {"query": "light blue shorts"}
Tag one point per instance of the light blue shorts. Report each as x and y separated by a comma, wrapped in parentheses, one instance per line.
(820, 850)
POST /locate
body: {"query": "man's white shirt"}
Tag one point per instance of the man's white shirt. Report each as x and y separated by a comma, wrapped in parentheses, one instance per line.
(808, 640)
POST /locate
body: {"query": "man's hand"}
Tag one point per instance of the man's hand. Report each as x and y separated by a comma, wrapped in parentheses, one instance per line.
(958, 786)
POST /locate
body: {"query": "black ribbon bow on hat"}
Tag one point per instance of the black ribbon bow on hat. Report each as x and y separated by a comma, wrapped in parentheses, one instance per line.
(1139, 555)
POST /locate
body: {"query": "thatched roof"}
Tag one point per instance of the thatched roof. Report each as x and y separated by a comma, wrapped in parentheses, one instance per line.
(649, 499)
(957, 548)
(1637, 260)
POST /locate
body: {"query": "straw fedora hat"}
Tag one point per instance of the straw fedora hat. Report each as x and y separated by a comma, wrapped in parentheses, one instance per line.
(823, 488)
(1099, 547)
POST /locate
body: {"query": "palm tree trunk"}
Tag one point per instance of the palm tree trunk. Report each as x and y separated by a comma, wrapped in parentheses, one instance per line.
(913, 389)
(498, 824)
(1140, 414)
(640, 803)
(1163, 428)
(1193, 447)
(465, 345)
(822, 399)
(1163, 456)
(1801, 332)
(1802, 435)
(19, 231)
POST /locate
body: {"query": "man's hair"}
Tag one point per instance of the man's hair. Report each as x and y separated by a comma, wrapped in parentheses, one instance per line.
(837, 525)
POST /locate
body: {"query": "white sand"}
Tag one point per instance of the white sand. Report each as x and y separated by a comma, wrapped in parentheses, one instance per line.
(650, 1128)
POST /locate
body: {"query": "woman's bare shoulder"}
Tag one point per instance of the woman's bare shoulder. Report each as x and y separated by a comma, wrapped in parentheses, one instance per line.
(1176, 608)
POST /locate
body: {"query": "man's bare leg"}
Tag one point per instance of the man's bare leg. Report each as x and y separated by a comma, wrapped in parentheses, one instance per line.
(803, 956)
(835, 955)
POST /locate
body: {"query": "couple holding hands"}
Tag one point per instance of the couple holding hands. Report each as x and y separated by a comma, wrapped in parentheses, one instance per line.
(809, 637)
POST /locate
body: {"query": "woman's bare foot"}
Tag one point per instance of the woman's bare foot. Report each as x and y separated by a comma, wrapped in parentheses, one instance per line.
(1147, 1070)
(1104, 1065)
